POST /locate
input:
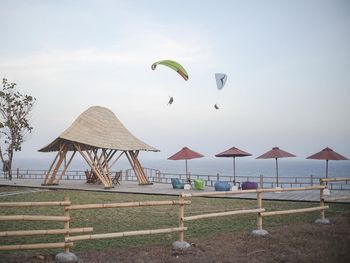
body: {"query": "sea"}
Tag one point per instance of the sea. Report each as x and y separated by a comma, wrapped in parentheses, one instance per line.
(287, 167)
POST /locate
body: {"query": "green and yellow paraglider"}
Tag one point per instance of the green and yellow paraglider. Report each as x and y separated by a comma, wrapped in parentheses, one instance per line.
(173, 65)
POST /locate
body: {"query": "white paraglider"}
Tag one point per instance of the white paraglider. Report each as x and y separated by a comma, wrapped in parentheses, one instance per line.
(221, 79)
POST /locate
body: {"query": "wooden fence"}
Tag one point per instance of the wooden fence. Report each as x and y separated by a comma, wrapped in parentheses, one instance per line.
(259, 210)
(66, 231)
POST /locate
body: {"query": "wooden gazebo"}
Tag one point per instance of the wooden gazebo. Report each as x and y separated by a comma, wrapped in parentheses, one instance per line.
(101, 139)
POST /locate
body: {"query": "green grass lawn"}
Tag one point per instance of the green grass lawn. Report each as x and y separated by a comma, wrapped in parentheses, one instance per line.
(141, 218)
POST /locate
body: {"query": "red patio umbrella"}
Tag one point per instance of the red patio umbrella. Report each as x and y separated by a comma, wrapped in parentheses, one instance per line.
(275, 153)
(327, 154)
(233, 152)
(185, 154)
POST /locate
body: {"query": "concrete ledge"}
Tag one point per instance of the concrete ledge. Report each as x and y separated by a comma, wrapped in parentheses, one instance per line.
(181, 245)
(66, 258)
(260, 233)
(322, 221)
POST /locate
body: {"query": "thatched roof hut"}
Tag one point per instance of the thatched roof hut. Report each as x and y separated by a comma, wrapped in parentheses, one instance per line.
(97, 134)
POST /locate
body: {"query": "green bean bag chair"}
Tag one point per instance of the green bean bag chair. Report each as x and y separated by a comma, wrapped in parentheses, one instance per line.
(199, 184)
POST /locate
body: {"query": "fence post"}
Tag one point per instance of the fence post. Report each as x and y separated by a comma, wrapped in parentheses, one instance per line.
(66, 223)
(181, 244)
(260, 219)
(181, 215)
(261, 181)
(323, 219)
(66, 256)
(259, 222)
(158, 176)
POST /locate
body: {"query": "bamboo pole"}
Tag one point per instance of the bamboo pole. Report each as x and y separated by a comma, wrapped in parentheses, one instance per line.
(96, 170)
(114, 162)
(136, 168)
(253, 191)
(111, 154)
(294, 211)
(87, 160)
(63, 153)
(36, 246)
(344, 197)
(33, 218)
(34, 204)
(106, 166)
(66, 223)
(125, 234)
(65, 168)
(51, 166)
(128, 204)
(46, 232)
(259, 221)
(228, 213)
(181, 217)
(334, 179)
(132, 166)
(322, 203)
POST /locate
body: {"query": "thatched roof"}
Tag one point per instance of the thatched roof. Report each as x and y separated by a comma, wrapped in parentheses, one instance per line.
(98, 127)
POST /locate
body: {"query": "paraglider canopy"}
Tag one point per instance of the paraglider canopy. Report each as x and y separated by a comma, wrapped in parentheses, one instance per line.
(220, 80)
(173, 65)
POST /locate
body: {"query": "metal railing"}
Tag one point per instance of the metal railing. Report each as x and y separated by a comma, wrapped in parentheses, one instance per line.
(156, 176)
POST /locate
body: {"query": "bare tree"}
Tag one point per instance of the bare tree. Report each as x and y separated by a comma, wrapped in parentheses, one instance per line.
(15, 109)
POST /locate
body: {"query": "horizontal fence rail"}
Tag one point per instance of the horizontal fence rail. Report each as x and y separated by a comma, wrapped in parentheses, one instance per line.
(228, 213)
(128, 204)
(34, 218)
(36, 246)
(294, 211)
(126, 234)
(46, 232)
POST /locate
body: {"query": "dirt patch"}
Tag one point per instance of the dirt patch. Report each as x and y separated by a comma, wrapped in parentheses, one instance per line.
(292, 243)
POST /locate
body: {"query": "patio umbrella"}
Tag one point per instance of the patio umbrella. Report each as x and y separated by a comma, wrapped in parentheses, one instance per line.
(275, 153)
(327, 154)
(233, 152)
(185, 154)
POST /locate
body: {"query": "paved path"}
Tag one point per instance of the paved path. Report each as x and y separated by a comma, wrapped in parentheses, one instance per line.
(166, 189)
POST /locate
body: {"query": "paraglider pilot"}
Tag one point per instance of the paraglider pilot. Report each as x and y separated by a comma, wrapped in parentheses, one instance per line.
(171, 100)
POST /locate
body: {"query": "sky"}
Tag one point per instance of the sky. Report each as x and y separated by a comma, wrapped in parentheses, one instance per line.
(287, 62)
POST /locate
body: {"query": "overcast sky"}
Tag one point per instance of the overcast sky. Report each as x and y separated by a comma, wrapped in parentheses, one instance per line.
(288, 67)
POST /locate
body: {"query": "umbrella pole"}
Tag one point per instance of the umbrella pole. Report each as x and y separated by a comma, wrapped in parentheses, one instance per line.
(234, 170)
(277, 171)
(186, 171)
(326, 170)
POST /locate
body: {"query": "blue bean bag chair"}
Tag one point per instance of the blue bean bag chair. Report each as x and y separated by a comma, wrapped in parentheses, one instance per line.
(177, 184)
(199, 184)
(249, 185)
(222, 186)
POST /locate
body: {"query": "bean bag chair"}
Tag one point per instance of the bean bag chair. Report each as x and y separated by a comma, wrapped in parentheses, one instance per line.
(249, 185)
(222, 186)
(199, 184)
(177, 184)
